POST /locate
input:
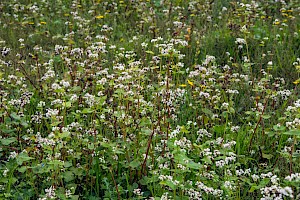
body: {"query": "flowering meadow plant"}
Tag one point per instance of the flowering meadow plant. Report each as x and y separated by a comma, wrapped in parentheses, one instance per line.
(149, 99)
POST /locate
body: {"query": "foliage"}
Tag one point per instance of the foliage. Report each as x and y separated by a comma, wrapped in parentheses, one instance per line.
(155, 99)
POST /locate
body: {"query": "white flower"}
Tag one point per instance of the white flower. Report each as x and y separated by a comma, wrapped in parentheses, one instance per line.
(12, 155)
(50, 193)
(5, 172)
(240, 41)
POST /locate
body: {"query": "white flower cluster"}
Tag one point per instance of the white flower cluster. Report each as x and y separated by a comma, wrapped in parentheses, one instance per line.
(5, 51)
(202, 133)
(5, 172)
(175, 132)
(89, 99)
(230, 158)
(183, 143)
(166, 196)
(12, 155)
(138, 192)
(297, 103)
(209, 190)
(228, 145)
(229, 185)
(294, 124)
(276, 192)
(37, 118)
(240, 42)
(194, 194)
(51, 112)
(284, 94)
(49, 74)
(241, 172)
(44, 141)
(229, 91)
(209, 59)
(293, 177)
(235, 128)
(168, 178)
(204, 94)
(50, 193)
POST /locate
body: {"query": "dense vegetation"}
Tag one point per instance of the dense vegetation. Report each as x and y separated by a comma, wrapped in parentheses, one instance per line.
(149, 99)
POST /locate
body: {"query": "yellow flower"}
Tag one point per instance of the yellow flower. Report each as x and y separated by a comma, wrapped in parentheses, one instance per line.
(43, 23)
(182, 85)
(99, 17)
(31, 23)
(296, 82)
(297, 68)
(277, 22)
(190, 83)
(189, 30)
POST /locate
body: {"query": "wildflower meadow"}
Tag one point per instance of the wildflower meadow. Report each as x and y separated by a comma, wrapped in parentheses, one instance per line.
(149, 99)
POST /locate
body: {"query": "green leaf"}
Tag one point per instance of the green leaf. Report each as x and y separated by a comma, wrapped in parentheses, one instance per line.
(105, 145)
(180, 158)
(75, 197)
(87, 110)
(68, 164)
(248, 112)
(219, 129)
(208, 112)
(68, 176)
(146, 131)
(150, 52)
(22, 169)
(135, 163)
(207, 160)
(15, 116)
(22, 157)
(119, 151)
(266, 116)
(193, 165)
(7, 131)
(24, 124)
(68, 104)
(231, 110)
(169, 183)
(295, 132)
(76, 89)
(253, 188)
(278, 128)
(267, 156)
(57, 58)
(183, 129)
(91, 146)
(8, 141)
(263, 183)
(64, 134)
(56, 162)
